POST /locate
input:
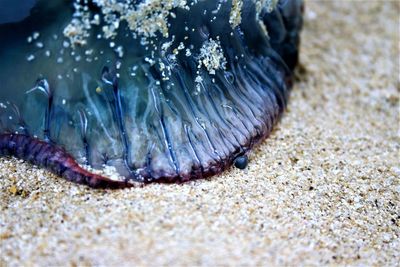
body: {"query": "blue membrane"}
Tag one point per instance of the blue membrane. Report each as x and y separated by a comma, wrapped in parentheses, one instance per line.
(123, 111)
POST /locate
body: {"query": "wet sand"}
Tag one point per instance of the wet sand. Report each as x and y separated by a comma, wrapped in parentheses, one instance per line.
(322, 189)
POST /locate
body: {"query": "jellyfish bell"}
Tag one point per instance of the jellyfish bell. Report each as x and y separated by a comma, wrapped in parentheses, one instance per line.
(155, 90)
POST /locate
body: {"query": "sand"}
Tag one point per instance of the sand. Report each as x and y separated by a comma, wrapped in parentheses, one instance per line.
(322, 189)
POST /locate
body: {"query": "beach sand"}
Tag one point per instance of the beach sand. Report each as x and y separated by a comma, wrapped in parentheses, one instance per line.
(322, 189)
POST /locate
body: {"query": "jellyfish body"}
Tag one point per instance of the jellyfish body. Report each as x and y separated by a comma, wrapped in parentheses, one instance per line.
(178, 99)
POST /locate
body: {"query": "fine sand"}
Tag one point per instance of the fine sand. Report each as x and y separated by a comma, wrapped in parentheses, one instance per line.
(322, 189)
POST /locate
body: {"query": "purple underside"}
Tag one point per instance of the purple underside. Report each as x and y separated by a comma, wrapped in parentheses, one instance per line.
(54, 158)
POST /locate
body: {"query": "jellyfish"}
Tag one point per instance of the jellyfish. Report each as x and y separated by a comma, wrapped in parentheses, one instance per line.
(152, 90)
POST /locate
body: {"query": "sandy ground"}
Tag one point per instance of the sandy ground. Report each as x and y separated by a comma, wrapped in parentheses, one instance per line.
(323, 189)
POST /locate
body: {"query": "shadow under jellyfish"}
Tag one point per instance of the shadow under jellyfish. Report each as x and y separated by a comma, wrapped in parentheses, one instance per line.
(154, 90)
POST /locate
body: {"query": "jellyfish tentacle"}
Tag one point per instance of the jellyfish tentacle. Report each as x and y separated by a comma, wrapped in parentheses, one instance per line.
(20, 119)
(83, 121)
(111, 78)
(194, 114)
(193, 149)
(161, 106)
(217, 122)
(241, 86)
(42, 85)
(166, 136)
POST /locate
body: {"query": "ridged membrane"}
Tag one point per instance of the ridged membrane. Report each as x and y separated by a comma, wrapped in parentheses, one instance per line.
(150, 129)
